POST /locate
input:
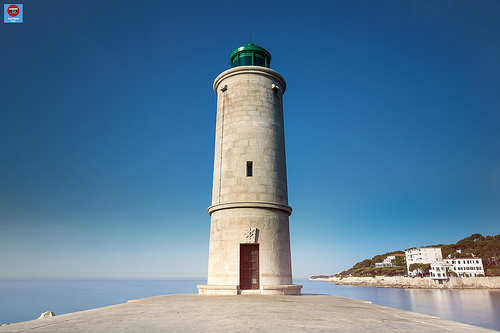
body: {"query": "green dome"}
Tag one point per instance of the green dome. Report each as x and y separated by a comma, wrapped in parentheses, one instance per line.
(250, 55)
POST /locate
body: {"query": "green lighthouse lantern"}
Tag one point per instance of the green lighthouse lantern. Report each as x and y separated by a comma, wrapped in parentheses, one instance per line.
(250, 55)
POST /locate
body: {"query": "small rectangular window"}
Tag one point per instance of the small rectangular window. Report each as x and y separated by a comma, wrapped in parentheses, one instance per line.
(249, 168)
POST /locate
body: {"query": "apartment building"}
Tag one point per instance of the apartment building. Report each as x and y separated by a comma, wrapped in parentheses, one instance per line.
(422, 255)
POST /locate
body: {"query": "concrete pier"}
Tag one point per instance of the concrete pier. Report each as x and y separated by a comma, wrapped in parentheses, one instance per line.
(195, 313)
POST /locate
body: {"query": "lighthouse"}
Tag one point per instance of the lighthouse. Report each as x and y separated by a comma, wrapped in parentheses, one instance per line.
(249, 250)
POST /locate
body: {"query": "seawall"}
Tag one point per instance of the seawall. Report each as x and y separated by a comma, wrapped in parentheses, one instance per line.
(424, 283)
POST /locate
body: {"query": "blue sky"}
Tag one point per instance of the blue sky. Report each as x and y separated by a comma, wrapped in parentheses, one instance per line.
(107, 124)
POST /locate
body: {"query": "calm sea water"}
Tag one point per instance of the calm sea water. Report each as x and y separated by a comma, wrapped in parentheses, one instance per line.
(23, 300)
(480, 307)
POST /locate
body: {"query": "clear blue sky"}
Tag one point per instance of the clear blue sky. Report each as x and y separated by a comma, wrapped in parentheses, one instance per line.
(107, 124)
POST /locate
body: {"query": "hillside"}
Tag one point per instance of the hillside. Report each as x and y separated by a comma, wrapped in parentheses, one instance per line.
(476, 245)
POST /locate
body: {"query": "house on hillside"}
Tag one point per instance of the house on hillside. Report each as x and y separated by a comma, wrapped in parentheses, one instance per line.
(422, 255)
(466, 266)
(440, 271)
(389, 261)
(460, 266)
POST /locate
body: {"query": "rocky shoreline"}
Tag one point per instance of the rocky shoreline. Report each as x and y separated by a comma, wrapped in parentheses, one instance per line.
(417, 283)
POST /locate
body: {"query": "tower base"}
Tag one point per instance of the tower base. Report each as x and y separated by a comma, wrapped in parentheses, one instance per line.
(217, 289)
(281, 289)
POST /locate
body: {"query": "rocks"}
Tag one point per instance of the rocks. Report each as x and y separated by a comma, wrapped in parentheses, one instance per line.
(423, 283)
(47, 314)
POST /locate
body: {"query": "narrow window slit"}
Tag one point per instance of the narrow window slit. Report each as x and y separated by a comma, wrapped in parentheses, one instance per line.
(249, 168)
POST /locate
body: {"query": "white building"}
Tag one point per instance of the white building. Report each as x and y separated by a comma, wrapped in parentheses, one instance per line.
(389, 261)
(422, 255)
(440, 270)
(461, 266)
(466, 266)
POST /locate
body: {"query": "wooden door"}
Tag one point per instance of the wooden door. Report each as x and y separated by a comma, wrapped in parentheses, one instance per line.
(249, 266)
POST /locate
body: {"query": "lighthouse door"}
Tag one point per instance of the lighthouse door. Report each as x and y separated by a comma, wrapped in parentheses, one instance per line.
(249, 266)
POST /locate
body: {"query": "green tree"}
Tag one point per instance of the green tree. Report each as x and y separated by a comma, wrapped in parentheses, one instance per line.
(477, 245)
(400, 261)
(422, 269)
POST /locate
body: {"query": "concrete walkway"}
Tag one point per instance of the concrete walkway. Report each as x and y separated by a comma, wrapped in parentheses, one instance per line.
(255, 313)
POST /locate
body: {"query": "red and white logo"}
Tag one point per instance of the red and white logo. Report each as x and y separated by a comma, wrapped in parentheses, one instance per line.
(13, 10)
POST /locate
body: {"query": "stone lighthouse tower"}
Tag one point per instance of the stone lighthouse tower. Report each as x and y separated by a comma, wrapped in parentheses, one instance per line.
(249, 234)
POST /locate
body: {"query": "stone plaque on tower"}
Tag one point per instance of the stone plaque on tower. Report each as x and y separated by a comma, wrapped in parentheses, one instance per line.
(249, 233)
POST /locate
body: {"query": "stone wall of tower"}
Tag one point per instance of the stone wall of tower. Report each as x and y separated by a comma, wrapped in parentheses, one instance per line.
(249, 129)
(228, 230)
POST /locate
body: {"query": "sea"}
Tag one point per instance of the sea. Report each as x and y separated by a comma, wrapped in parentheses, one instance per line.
(22, 300)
